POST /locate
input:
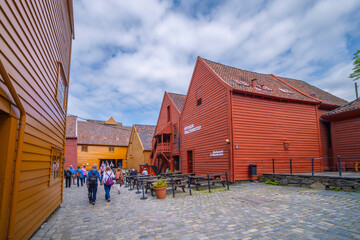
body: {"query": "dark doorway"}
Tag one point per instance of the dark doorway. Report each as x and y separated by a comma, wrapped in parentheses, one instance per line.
(190, 161)
(117, 162)
(176, 163)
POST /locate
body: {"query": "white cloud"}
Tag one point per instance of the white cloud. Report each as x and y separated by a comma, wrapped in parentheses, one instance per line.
(126, 53)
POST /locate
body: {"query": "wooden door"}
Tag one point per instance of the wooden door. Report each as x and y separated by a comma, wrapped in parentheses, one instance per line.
(190, 161)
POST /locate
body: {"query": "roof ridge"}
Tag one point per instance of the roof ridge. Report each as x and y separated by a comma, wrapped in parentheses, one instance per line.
(289, 85)
(177, 93)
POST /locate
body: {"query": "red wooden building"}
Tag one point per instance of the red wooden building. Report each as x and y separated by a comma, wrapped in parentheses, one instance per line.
(232, 118)
(166, 141)
(71, 142)
(345, 132)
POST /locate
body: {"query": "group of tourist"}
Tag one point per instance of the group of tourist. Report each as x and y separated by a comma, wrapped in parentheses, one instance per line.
(71, 174)
(91, 178)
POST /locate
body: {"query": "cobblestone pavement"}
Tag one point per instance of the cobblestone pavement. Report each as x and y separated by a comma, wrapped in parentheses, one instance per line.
(247, 211)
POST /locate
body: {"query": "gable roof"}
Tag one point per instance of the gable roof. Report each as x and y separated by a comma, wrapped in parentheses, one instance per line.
(352, 107)
(146, 133)
(270, 85)
(71, 126)
(178, 99)
(100, 133)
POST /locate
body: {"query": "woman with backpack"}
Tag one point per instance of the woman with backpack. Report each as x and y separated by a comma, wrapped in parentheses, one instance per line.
(107, 180)
(79, 176)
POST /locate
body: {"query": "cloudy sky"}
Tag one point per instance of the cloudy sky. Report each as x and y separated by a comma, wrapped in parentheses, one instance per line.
(127, 53)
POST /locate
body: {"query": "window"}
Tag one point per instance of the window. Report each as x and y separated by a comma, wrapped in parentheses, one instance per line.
(175, 132)
(111, 149)
(199, 102)
(84, 148)
(56, 159)
(61, 86)
(168, 113)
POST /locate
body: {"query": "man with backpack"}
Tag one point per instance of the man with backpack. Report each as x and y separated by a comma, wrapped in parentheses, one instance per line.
(92, 179)
(68, 178)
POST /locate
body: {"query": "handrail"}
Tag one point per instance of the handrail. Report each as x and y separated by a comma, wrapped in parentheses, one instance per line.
(20, 142)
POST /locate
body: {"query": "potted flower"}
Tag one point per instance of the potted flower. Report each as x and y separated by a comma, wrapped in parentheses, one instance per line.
(160, 188)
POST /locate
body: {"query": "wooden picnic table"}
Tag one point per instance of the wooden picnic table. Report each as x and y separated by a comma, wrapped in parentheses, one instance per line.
(203, 179)
(176, 182)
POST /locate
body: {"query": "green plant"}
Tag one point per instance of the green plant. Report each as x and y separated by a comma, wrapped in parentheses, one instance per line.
(332, 188)
(169, 171)
(260, 178)
(272, 182)
(160, 183)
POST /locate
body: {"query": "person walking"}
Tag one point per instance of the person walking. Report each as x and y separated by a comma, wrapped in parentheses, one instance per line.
(67, 178)
(84, 173)
(72, 170)
(108, 182)
(92, 179)
(119, 179)
(79, 176)
(102, 169)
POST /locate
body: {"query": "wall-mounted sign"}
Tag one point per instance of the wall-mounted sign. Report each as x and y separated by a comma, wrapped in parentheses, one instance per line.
(191, 128)
(217, 153)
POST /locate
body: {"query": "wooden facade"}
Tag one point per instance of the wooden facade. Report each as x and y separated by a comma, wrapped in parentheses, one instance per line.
(166, 142)
(35, 54)
(94, 142)
(233, 118)
(139, 148)
(345, 133)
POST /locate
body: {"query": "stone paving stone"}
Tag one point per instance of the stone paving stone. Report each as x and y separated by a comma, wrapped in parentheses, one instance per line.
(248, 211)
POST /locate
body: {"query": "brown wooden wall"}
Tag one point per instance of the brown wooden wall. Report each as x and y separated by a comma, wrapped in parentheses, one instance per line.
(34, 36)
(260, 128)
(212, 115)
(345, 135)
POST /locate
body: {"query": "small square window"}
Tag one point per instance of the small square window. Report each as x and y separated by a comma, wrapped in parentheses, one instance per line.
(199, 102)
(111, 149)
(84, 148)
(56, 159)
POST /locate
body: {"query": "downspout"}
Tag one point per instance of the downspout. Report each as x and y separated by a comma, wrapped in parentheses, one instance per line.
(20, 141)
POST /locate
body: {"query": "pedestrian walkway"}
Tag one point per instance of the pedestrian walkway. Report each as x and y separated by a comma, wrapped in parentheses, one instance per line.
(248, 211)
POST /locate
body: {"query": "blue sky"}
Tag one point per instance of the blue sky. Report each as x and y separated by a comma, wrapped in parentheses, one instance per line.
(127, 53)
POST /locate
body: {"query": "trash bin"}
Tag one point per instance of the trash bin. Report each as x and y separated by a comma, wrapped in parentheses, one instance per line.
(253, 169)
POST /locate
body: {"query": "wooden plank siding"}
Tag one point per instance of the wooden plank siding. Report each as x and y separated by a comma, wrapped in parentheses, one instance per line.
(262, 126)
(212, 115)
(135, 154)
(345, 136)
(35, 36)
(325, 135)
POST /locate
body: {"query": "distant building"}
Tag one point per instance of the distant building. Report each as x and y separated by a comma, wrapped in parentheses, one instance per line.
(345, 133)
(139, 148)
(35, 55)
(97, 142)
(166, 142)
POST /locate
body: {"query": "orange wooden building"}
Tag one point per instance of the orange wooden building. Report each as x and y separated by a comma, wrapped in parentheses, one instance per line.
(139, 148)
(35, 53)
(345, 133)
(166, 142)
(232, 118)
(95, 142)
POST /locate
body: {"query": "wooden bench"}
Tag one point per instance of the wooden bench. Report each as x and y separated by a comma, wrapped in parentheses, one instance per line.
(202, 180)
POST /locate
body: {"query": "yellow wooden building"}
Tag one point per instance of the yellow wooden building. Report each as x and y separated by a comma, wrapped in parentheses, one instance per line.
(139, 149)
(35, 53)
(97, 142)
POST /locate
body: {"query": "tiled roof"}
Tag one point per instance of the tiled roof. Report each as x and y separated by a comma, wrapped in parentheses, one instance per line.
(98, 132)
(71, 126)
(349, 107)
(178, 99)
(146, 133)
(266, 84)
(311, 90)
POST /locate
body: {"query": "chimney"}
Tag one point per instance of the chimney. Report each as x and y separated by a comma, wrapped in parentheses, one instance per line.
(253, 82)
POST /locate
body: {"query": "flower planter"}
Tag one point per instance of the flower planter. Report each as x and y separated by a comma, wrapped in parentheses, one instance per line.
(160, 192)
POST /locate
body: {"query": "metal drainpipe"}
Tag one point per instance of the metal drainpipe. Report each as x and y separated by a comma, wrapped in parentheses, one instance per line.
(20, 142)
